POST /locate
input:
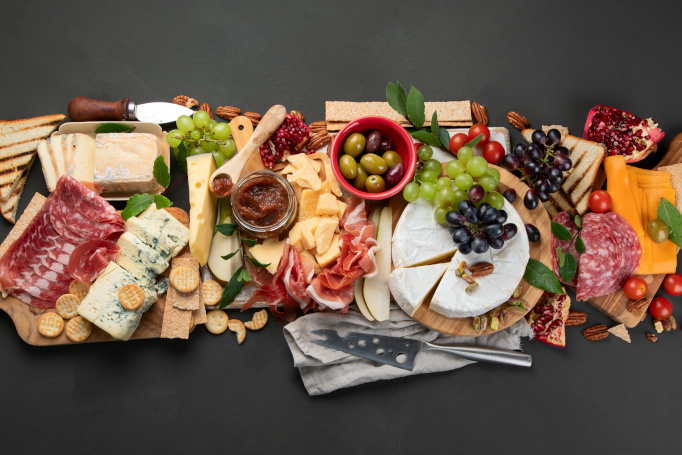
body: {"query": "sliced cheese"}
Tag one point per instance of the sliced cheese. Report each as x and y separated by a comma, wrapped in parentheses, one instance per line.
(203, 205)
(328, 257)
(324, 233)
(124, 162)
(83, 154)
(57, 151)
(49, 171)
(269, 252)
(410, 286)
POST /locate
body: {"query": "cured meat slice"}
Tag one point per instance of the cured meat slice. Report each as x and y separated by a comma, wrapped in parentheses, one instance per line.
(33, 301)
(600, 264)
(629, 244)
(295, 280)
(91, 258)
(88, 203)
(274, 292)
(564, 219)
(331, 299)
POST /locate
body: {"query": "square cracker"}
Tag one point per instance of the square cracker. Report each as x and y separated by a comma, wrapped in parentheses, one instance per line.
(181, 300)
(676, 181)
(176, 322)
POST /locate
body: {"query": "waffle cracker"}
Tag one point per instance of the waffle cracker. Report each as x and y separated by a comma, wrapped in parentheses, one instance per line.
(50, 325)
(79, 288)
(260, 318)
(217, 321)
(211, 292)
(184, 279)
(131, 296)
(237, 326)
(78, 329)
(67, 306)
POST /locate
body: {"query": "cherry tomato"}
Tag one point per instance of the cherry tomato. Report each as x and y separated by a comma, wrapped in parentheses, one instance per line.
(600, 201)
(457, 142)
(477, 129)
(635, 288)
(493, 152)
(672, 284)
(660, 308)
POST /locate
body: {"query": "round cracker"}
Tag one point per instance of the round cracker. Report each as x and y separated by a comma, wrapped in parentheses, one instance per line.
(131, 296)
(78, 329)
(79, 288)
(184, 279)
(67, 306)
(237, 326)
(211, 292)
(50, 325)
(216, 321)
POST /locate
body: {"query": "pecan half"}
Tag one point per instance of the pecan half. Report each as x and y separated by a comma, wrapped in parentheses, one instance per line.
(481, 269)
(206, 108)
(186, 101)
(255, 117)
(575, 318)
(651, 337)
(517, 120)
(596, 333)
(318, 140)
(479, 112)
(228, 112)
(317, 127)
(298, 115)
(638, 305)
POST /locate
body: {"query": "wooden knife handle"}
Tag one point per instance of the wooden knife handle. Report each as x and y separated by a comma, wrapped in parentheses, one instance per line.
(83, 109)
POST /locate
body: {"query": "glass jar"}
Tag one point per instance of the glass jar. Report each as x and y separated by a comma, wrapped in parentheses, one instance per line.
(263, 204)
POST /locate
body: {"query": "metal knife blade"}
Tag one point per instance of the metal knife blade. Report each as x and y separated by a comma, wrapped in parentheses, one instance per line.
(160, 112)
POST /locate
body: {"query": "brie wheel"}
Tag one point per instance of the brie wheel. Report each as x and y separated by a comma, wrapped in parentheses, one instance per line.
(410, 286)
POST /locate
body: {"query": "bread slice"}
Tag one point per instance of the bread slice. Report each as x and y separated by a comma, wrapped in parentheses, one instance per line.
(575, 191)
(18, 142)
(10, 206)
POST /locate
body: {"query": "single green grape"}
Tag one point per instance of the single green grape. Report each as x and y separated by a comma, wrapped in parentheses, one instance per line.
(460, 196)
(219, 158)
(212, 123)
(201, 119)
(194, 149)
(221, 131)
(174, 138)
(443, 182)
(425, 152)
(464, 181)
(494, 173)
(429, 176)
(439, 214)
(227, 148)
(488, 182)
(185, 123)
(196, 134)
(411, 192)
(428, 191)
(464, 154)
(208, 146)
(433, 165)
(454, 168)
(445, 197)
(477, 166)
(495, 199)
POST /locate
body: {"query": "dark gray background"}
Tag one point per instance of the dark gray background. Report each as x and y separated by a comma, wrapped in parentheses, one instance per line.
(550, 62)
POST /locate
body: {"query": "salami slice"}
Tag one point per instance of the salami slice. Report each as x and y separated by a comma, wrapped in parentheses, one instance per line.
(600, 264)
(565, 220)
(90, 259)
(90, 204)
(629, 245)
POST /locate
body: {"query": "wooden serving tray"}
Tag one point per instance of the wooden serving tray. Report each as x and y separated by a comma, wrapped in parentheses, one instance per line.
(26, 317)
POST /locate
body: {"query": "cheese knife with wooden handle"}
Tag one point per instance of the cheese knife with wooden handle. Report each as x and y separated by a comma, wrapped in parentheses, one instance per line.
(83, 109)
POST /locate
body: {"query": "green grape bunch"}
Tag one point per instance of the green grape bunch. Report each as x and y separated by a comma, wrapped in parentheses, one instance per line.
(202, 134)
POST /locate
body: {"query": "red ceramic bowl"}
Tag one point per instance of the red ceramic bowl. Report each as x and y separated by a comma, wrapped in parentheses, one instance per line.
(403, 146)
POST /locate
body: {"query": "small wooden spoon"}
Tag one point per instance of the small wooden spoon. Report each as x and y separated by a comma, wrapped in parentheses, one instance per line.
(222, 181)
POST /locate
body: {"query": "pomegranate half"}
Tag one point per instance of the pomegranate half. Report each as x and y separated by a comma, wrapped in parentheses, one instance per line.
(287, 140)
(548, 318)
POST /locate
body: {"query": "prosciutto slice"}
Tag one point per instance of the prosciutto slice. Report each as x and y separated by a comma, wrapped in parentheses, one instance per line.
(91, 258)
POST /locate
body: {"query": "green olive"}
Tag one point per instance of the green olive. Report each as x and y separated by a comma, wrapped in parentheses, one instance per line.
(348, 167)
(375, 184)
(391, 158)
(373, 164)
(359, 181)
(354, 144)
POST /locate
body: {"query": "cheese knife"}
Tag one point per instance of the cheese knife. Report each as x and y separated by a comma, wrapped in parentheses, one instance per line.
(401, 352)
(83, 109)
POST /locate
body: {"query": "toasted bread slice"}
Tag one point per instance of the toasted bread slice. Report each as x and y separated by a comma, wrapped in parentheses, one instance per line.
(10, 206)
(575, 191)
(18, 142)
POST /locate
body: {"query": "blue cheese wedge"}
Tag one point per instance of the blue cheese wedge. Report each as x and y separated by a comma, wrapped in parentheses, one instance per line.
(418, 239)
(410, 286)
(451, 299)
(160, 230)
(139, 259)
(121, 323)
(124, 162)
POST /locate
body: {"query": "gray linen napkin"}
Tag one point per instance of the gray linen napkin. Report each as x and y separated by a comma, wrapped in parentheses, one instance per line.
(324, 370)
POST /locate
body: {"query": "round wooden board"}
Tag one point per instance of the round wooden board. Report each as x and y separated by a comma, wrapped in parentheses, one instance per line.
(540, 251)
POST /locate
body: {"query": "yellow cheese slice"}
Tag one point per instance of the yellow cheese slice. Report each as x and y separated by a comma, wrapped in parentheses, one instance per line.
(83, 154)
(203, 205)
(269, 252)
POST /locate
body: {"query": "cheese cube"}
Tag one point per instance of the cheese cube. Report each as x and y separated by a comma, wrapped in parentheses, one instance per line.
(307, 228)
(82, 164)
(124, 162)
(342, 209)
(307, 208)
(327, 205)
(328, 257)
(324, 233)
(203, 205)
(296, 238)
(269, 252)
(140, 260)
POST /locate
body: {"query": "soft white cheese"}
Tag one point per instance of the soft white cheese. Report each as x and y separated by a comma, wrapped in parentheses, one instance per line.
(124, 162)
(411, 285)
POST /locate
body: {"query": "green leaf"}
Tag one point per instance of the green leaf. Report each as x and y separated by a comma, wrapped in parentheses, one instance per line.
(539, 275)
(560, 232)
(226, 229)
(229, 256)
(249, 242)
(162, 201)
(394, 99)
(114, 128)
(181, 157)
(256, 262)
(444, 137)
(402, 99)
(415, 107)
(472, 143)
(577, 220)
(434, 124)
(136, 204)
(672, 218)
(561, 256)
(568, 268)
(161, 173)
(579, 245)
(427, 138)
(244, 276)
(233, 288)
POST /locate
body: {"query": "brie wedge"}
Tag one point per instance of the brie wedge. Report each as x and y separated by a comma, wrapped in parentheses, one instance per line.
(410, 286)
(451, 299)
(418, 239)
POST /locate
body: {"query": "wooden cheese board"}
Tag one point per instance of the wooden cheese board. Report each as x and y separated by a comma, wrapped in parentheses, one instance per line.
(25, 317)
